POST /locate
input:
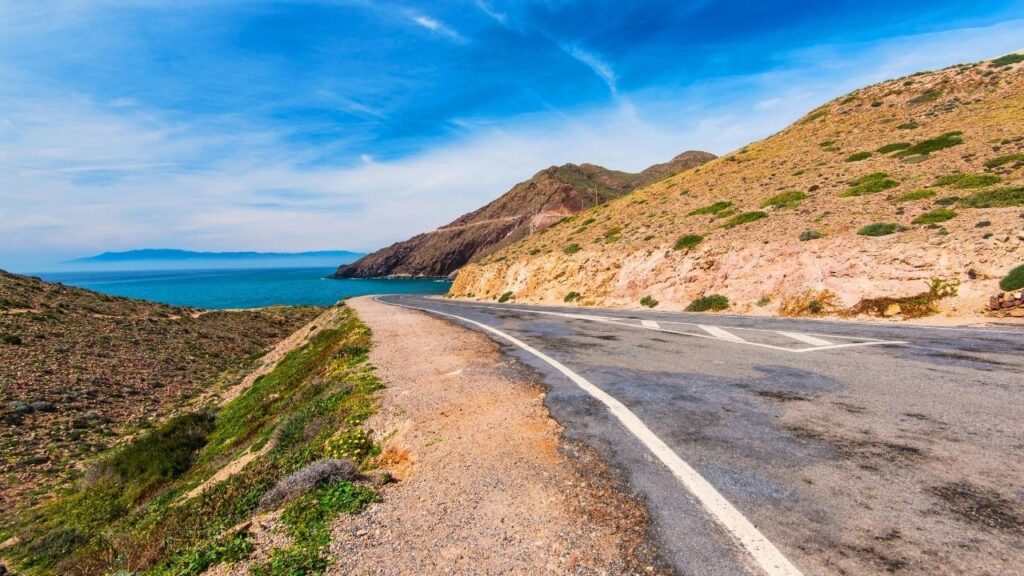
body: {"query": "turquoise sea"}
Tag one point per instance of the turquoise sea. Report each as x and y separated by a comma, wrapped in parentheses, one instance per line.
(245, 288)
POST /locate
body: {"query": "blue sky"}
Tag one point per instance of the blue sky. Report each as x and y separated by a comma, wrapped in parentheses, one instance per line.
(249, 125)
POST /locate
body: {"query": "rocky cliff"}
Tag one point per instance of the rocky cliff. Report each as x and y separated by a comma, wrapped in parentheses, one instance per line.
(526, 209)
(856, 208)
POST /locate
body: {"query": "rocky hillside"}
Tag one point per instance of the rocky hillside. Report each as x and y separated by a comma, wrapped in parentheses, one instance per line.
(854, 208)
(527, 208)
(78, 369)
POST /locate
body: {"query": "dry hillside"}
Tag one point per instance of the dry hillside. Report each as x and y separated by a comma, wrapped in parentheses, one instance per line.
(934, 161)
(78, 369)
(528, 207)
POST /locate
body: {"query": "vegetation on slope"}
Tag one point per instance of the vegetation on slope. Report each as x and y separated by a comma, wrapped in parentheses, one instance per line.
(135, 510)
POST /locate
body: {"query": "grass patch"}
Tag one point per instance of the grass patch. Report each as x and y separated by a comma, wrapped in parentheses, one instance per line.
(858, 156)
(819, 113)
(744, 218)
(790, 199)
(809, 303)
(894, 147)
(709, 303)
(917, 306)
(909, 126)
(807, 235)
(927, 96)
(571, 248)
(1014, 280)
(1001, 198)
(916, 195)
(710, 209)
(505, 297)
(572, 297)
(935, 216)
(880, 229)
(648, 301)
(1016, 159)
(870, 184)
(1007, 60)
(963, 181)
(925, 147)
(687, 242)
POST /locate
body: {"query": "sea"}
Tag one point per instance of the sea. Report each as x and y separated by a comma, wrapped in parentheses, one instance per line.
(240, 288)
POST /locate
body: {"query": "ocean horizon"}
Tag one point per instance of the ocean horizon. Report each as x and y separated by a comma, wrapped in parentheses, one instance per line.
(240, 287)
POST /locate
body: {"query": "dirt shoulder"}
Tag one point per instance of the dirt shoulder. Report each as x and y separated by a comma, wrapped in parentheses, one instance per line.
(485, 484)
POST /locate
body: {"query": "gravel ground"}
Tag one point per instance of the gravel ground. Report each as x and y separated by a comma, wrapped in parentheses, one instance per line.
(485, 485)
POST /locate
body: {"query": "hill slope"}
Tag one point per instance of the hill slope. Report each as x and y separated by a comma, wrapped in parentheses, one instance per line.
(78, 368)
(935, 158)
(528, 207)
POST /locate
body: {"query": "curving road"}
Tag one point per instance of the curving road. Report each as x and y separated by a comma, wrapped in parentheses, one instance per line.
(783, 446)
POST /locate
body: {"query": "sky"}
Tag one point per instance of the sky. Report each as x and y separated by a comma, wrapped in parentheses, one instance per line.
(352, 124)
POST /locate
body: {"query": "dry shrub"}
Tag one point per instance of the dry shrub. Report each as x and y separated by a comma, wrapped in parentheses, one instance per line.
(313, 476)
(810, 302)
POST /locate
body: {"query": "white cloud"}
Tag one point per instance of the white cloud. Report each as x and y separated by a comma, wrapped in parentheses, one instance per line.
(602, 69)
(436, 26)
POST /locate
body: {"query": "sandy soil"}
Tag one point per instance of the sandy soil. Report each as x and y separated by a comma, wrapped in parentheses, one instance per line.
(485, 486)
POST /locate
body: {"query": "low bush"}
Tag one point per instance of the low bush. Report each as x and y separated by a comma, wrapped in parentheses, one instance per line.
(870, 184)
(858, 156)
(571, 248)
(505, 297)
(962, 181)
(1014, 280)
(1000, 161)
(810, 235)
(1002, 198)
(745, 218)
(572, 297)
(894, 147)
(808, 303)
(947, 201)
(307, 479)
(880, 229)
(819, 113)
(687, 242)
(353, 443)
(12, 339)
(790, 199)
(909, 125)
(711, 302)
(916, 195)
(947, 140)
(926, 96)
(648, 301)
(1007, 60)
(935, 216)
(710, 209)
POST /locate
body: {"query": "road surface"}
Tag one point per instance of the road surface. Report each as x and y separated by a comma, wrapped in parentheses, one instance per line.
(785, 446)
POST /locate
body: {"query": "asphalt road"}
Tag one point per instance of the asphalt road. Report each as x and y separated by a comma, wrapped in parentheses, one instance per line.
(785, 446)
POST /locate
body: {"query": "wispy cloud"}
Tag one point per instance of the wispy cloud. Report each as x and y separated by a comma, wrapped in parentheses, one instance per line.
(602, 69)
(499, 17)
(438, 27)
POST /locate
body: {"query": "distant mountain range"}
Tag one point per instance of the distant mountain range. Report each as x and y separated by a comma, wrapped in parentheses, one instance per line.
(175, 257)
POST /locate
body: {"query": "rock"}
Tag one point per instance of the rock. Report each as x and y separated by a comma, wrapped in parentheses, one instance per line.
(43, 406)
(892, 310)
(1017, 313)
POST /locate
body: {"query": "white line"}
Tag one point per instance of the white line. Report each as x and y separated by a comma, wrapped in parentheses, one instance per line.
(649, 324)
(767, 556)
(806, 338)
(721, 334)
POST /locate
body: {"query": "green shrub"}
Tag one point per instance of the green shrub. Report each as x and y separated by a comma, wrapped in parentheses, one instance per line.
(810, 235)
(1014, 280)
(613, 232)
(964, 181)
(858, 156)
(710, 209)
(927, 96)
(12, 339)
(916, 195)
(947, 140)
(819, 113)
(725, 213)
(687, 242)
(870, 184)
(1007, 60)
(648, 301)
(713, 302)
(935, 216)
(909, 125)
(896, 146)
(999, 161)
(1002, 198)
(880, 229)
(947, 201)
(744, 218)
(505, 297)
(790, 199)
(572, 297)
(571, 249)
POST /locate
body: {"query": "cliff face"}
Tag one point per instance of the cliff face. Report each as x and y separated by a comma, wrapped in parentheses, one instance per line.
(527, 208)
(867, 198)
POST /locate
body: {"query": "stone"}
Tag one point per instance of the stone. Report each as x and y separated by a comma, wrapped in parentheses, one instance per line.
(892, 310)
(43, 406)
(1017, 313)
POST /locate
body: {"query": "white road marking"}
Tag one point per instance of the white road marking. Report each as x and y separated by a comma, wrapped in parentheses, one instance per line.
(806, 338)
(767, 556)
(649, 324)
(721, 334)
